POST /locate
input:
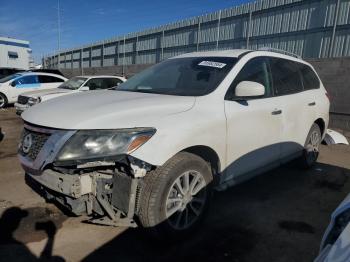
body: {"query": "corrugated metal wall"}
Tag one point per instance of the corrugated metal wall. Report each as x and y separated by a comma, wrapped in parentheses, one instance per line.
(312, 29)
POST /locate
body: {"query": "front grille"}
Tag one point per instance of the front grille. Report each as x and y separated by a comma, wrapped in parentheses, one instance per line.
(22, 99)
(37, 142)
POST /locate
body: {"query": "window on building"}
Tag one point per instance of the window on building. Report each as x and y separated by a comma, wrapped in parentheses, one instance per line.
(12, 55)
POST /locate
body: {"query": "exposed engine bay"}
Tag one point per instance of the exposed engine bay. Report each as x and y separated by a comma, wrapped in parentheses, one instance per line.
(106, 191)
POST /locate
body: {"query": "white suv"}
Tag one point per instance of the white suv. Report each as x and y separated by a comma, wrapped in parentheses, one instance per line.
(153, 149)
(73, 85)
(13, 85)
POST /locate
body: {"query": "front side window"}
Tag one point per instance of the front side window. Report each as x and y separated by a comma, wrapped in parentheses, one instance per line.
(27, 80)
(192, 76)
(286, 77)
(73, 83)
(102, 83)
(49, 79)
(255, 70)
(309, 77)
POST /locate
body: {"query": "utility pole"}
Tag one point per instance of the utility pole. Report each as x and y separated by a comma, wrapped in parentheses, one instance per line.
(249, 26)
(58, 32)
(58, 26)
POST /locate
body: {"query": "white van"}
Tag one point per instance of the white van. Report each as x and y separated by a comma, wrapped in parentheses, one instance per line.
(14, 85)
(153, 149)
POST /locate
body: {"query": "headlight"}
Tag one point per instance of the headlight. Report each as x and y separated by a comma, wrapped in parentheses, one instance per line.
(32, 100)
(101, 144)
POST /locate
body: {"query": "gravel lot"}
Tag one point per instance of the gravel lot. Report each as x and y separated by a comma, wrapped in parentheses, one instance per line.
(278, 216)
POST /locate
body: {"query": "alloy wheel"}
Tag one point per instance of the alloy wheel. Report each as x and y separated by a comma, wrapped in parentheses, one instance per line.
(186, 200)
(2, 101)
(312, 147)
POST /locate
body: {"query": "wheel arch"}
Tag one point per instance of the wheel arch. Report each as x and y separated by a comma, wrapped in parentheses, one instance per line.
(321, 124)
(6, 99)
(207, 154)
(1, 93)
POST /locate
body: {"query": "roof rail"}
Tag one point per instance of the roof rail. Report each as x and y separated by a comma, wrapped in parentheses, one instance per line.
(280, 51)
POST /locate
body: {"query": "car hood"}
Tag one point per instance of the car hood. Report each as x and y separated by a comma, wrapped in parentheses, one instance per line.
(108, 109)
(45, 92)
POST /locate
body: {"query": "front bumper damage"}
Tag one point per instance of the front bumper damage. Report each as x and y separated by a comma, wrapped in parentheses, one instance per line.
(106, 191)
(109, 197)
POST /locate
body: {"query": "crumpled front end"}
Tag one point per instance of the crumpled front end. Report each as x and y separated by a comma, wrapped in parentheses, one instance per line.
(105, 188)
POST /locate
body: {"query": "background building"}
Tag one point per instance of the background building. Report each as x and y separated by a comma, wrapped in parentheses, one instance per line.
(312, 29)
(317, 30)
(15, 53)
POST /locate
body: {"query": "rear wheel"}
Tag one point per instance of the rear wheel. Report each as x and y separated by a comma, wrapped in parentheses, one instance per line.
(176, 196)
(3, 100)
(311, 147)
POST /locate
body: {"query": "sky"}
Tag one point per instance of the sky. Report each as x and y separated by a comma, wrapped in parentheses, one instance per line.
(87, 21)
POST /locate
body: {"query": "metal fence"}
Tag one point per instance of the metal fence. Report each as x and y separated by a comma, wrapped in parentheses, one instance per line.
(309, 28)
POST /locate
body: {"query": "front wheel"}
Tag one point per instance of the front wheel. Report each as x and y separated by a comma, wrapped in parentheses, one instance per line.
(175, 197)
(3, 100)
(311, 147)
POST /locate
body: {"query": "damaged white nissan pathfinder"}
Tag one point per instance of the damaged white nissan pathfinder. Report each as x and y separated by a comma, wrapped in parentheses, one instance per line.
(151, 151)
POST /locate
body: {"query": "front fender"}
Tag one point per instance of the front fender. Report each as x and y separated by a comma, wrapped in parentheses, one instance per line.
(172, 139)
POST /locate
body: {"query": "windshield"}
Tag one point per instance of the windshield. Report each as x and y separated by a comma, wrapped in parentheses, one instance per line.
(194, 76)
(8, 78)
(73, 83)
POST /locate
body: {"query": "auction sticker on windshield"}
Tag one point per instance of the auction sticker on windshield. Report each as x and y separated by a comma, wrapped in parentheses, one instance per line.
(212, 64)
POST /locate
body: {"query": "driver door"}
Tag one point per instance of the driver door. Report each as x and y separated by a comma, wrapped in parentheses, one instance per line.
(254, 125)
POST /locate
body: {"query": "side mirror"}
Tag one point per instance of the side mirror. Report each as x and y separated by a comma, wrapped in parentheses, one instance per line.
(13, 83)
(84, 88)
(246, 89)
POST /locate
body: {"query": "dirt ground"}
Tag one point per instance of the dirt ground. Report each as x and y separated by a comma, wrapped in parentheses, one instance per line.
(278, 216)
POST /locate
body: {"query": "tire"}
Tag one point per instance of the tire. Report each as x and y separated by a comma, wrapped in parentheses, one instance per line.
(3, 100)
(311, 147)
(161, 195)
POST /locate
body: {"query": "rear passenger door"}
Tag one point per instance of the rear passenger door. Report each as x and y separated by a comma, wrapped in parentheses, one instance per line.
(288, 89)
(311, 85)
(47, 81)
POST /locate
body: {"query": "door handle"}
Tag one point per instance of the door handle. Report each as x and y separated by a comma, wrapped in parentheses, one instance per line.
(312, 104)
(276, 112)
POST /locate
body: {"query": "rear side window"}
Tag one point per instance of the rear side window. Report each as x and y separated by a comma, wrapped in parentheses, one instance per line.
(49, 79)
(255, 70)
(310, 79)
(286, 77)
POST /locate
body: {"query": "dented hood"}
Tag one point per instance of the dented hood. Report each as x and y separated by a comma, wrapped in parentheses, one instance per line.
(106, 110)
